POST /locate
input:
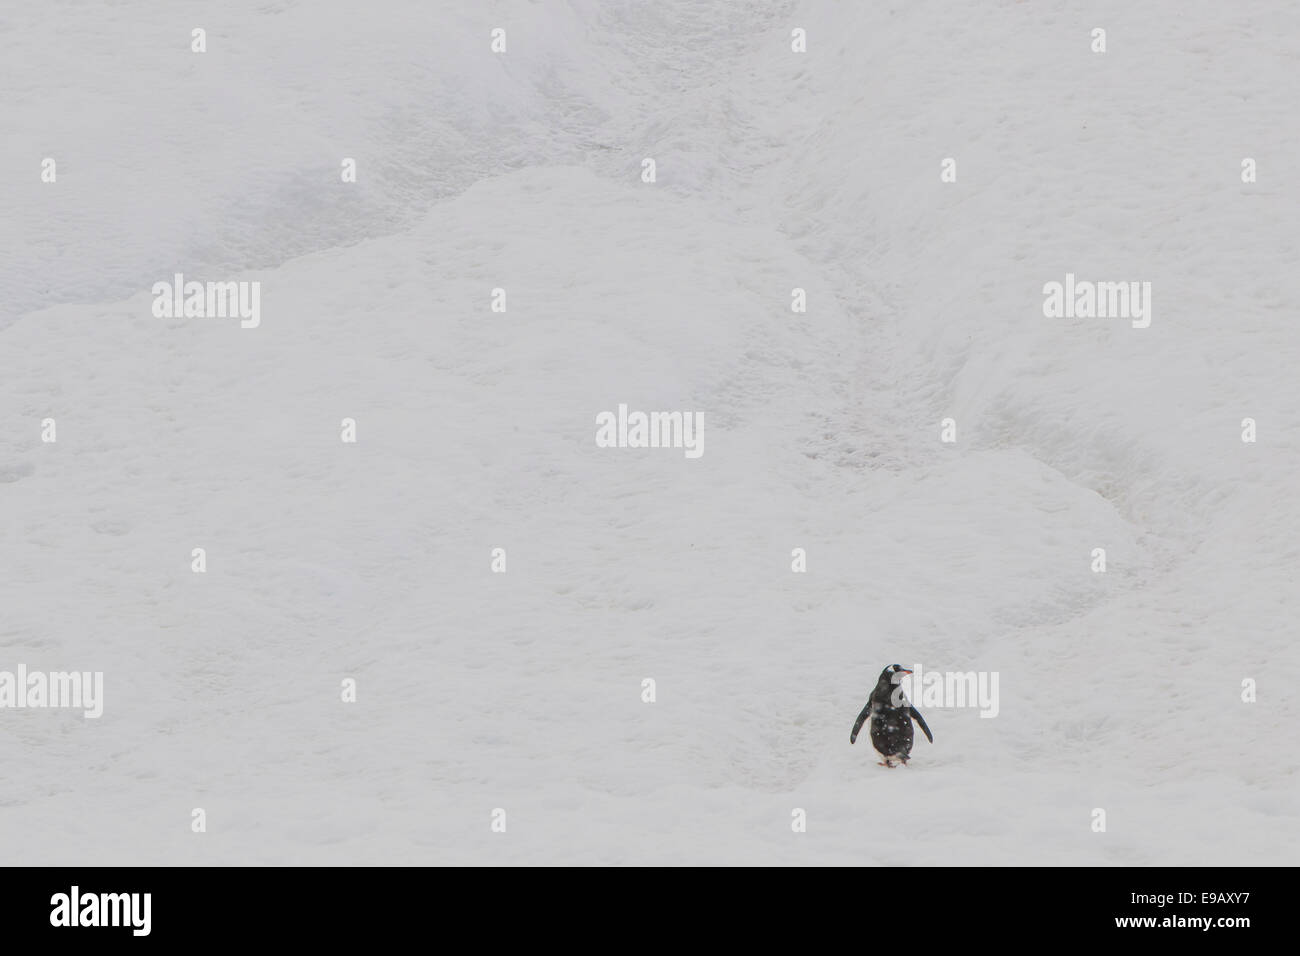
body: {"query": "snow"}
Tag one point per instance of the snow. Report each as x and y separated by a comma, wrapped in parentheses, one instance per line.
(522, 690)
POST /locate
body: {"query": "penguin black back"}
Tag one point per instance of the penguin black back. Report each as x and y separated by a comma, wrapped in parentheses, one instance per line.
(891, 715)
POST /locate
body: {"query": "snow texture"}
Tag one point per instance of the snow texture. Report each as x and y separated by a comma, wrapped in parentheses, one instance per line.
(522, 690)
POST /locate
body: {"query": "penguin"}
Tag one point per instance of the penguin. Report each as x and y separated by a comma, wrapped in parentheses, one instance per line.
(891, 719)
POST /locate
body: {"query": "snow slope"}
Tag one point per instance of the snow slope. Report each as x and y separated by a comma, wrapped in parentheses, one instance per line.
(476, 431)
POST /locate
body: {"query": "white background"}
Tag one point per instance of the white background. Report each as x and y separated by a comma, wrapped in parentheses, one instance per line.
(476, 430)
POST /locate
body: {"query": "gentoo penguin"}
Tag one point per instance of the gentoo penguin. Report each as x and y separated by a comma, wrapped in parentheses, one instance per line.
(891, 719)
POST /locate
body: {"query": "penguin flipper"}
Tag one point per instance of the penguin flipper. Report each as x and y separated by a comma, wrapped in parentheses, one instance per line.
(916, 715)
(857, 724)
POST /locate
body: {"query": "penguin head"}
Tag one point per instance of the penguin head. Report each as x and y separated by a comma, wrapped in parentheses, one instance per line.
(893, 674)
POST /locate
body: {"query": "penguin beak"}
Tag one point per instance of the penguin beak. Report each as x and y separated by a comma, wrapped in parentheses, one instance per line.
(904, 670)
